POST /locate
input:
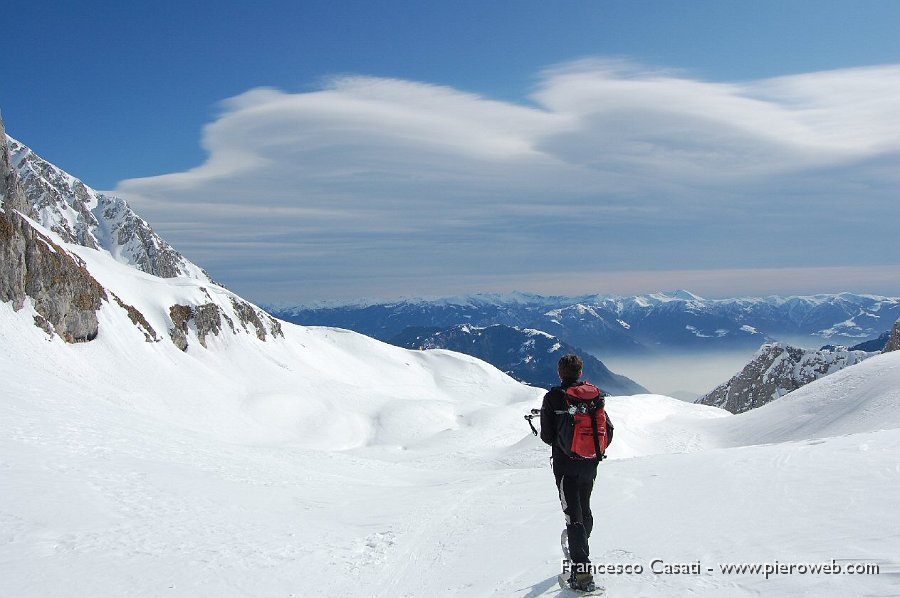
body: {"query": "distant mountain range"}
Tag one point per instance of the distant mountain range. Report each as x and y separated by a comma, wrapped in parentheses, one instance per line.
(530, 356)
(493, 327)
(605, 324)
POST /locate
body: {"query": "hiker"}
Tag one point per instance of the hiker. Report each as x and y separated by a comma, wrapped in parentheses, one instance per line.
(575, 470)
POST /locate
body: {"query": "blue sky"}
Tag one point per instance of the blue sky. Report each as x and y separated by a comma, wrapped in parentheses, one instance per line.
(338, 150)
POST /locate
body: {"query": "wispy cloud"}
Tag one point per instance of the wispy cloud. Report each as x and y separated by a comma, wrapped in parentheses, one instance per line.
(610, 166)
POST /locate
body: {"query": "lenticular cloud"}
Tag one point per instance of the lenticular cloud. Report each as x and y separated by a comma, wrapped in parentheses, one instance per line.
(365, 172)
(589, 116)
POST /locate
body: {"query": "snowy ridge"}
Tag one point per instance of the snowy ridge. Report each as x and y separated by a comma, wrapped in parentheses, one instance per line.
(776, 370)
(70, 253)
(81, 215)
(151, 303)
(861, 398)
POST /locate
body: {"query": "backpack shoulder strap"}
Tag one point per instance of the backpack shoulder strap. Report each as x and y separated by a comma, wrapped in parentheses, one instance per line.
(597, 448)
(565, 397)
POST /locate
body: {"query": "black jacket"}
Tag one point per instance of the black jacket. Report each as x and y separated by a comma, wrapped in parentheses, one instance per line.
(555, 400)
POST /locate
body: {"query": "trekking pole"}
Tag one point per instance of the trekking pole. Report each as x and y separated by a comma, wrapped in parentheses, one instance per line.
(534, 413)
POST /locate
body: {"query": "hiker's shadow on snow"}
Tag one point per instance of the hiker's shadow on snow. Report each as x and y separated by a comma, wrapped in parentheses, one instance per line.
(541, 588)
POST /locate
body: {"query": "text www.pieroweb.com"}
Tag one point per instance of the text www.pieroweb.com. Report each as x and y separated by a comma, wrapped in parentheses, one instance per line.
(777, 568)
(767, 570)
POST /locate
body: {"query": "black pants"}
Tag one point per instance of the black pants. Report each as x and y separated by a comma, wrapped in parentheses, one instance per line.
(575, 498)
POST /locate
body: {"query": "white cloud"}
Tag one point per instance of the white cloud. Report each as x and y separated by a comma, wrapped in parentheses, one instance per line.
(703, 130)
(407, 181)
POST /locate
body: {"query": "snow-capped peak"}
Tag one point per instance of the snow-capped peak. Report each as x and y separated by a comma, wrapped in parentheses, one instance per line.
(84, 216)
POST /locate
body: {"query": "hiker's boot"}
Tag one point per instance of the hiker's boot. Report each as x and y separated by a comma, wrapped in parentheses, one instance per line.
(583, 582)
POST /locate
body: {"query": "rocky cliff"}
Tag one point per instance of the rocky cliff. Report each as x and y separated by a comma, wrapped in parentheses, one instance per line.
(81, 215)
(64, 295)
(776, 370)
(893, 343)
(45, 214)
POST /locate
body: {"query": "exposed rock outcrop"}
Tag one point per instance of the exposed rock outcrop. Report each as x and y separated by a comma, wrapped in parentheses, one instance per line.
(138, 319)
(206, 319)
(62, 291)
(893, 343)
(210, 319)
(247, 314)
(776, 370)
(180, 315)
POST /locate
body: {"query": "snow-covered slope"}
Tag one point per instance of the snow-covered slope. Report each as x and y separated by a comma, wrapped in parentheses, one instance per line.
(861, 398)
(325, 463)
(329, 464)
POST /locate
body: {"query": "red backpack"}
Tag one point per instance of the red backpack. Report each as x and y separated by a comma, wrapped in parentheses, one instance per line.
(583, 430)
